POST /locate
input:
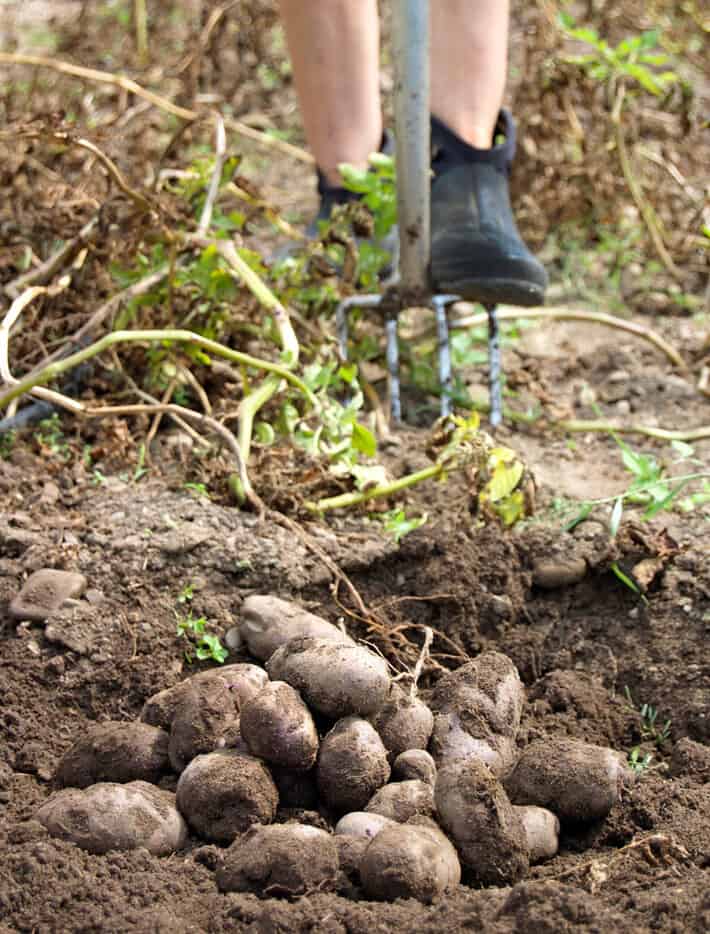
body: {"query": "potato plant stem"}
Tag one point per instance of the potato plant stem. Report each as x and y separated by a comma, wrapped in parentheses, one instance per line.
(50, 372)
(377, 492)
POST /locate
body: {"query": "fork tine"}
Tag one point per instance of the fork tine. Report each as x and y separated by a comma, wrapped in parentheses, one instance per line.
(494, 368)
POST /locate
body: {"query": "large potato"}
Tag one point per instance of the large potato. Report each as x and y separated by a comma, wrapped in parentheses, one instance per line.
(475, 811)
(221, 794)
(403, 722)
(206, 717)
(335, 680)
(409, 861)
(477, 712)
(109, 816)
(242, 679)
(414, 764)
(542, 831)
(284, 859)
(577, 781)
(268, 622)
(352, 765)
(115, 752)
(277, 726)
(401, 800)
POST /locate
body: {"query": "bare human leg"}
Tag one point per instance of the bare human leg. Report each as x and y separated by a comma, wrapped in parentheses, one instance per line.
(469, 61)
(335, 54)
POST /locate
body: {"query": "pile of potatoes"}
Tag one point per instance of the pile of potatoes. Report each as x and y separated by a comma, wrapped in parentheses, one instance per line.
(316, 771)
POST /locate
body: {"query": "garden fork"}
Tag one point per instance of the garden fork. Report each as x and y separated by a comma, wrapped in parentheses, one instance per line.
(410, 26)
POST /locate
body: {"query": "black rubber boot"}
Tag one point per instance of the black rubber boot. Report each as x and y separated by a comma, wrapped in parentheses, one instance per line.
(476, 250)
(330, 197)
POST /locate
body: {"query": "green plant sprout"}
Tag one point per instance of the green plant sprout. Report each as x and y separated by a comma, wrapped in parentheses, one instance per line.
(202, 645)
(651, 729)
(639, 762)
(397, 523)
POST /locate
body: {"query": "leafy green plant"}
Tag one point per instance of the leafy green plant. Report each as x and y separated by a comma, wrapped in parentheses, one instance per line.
(635, 57)
(49, 435)
(7, 442)
(202, 645)
(397, 523)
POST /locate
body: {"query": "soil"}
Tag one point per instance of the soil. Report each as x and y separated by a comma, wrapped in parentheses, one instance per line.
(590, 652)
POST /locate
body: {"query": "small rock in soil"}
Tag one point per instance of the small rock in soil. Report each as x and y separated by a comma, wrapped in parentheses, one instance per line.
(108, 816)
(44, 592)
(552, 573)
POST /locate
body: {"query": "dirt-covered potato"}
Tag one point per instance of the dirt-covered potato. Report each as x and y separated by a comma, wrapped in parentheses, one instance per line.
(335, 680)
(268, 622)
(401, 800)
(221, 794)
(577, 781)
(242, 679)
(403, 722)
(206, 717)
(281, 860)
(108, 816)
(409, 861)
(362, 824)
(475, 811)
(414, 764)
(542, 831)
(477, 712)
(350, 853)
(115, 752)
(352, 765)
(278, 727)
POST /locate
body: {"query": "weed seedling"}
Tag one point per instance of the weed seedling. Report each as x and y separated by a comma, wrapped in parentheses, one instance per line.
(651, 730)
(201, 644)
(638, 762)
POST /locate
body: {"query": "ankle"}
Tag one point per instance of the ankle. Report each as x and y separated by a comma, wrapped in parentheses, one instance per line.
(450, 149)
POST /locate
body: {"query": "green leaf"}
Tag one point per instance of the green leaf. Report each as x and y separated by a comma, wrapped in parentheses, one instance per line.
(363, 440)
(264, 433)
(504, 480)
(683, 449)
(625, 579)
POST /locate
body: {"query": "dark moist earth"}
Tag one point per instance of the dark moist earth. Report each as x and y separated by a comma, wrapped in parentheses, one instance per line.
(577, 647)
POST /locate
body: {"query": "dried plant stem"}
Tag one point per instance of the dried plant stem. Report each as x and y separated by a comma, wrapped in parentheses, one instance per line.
(140, 17)
(645, 209)
(65, 254)
(216, 178)
(162, 103)
(571, 314)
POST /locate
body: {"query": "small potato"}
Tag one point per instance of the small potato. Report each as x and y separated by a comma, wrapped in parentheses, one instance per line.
(402, 800)
(362, 824)
(477, 712)
(577, 781)
(352, 765)
(221, 794)
(281, 860)
(335, 680)
(206, 717)
(242, 679)
(109, 816)
(268, 622)
(542, 831)
(403, 722)
(475, 811)
(115, 752)
(409, 861)
(414, 764)
(278, 727)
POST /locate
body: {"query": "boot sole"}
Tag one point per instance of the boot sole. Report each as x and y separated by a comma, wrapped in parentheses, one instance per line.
(496, 291)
